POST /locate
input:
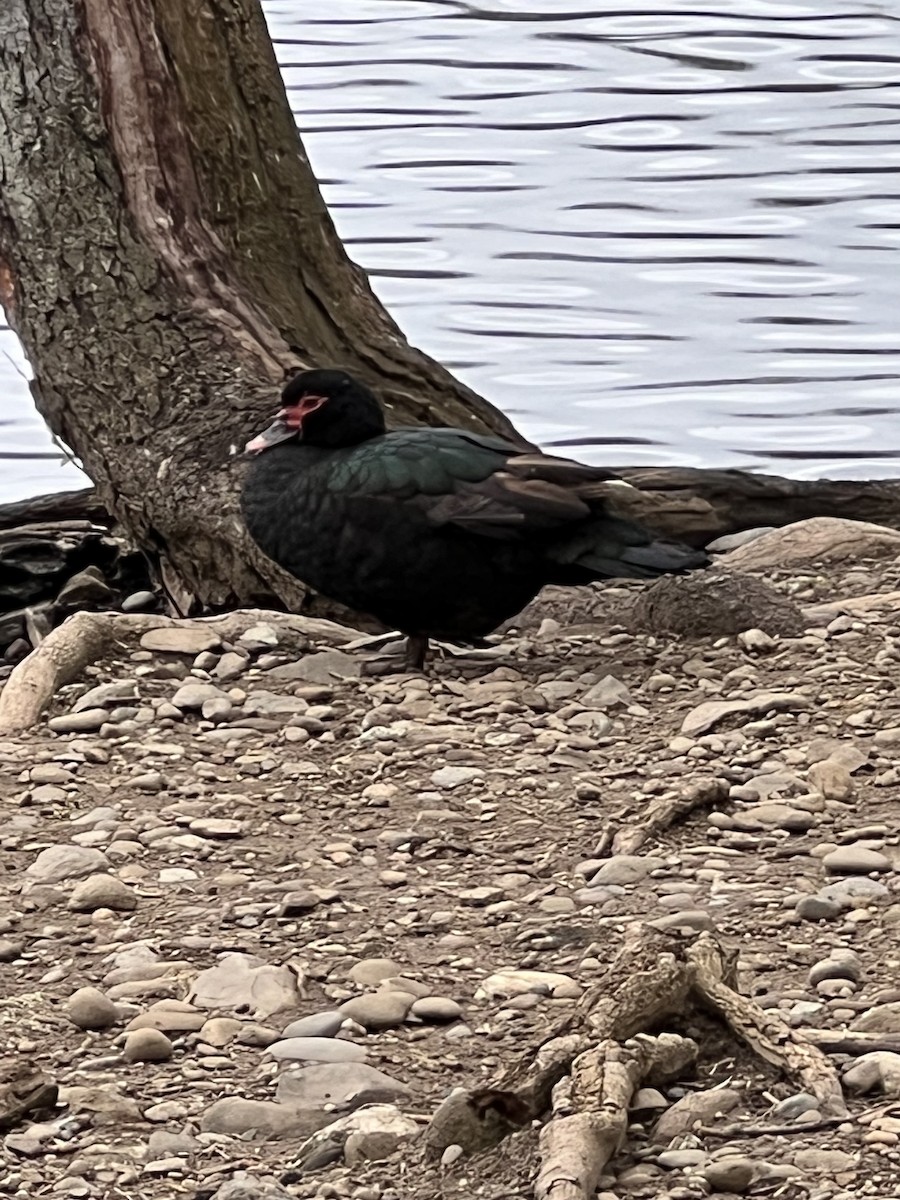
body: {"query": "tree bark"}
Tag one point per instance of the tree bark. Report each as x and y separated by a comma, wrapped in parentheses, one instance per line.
(167, 261)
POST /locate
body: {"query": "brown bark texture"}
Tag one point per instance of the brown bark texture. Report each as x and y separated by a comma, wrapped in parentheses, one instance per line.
(167, 261)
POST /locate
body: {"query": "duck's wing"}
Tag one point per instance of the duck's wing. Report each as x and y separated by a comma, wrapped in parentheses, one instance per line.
(486, 485)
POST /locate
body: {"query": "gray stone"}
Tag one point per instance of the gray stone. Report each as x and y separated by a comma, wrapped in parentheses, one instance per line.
(520, 982)
(266, 1119)
(85, 587)
(733, 1174)
(608, 693)
(883, 1018)
(436, 1009)
(250, 1187)
(317, 1025)
(65, 861)
(192, 696)
(623, 869)
(880, 1068)
(138, 602)
(817, 908)
(317, 1049)
(855, 859)
(102, 891)
(119, 691)
(88, 721)
(147, 1045)
(449, 778)
(320, 668)
(89, 1008)
(731, 541)
(339, 1086)
(240, 983)
(679, 1160)
(823, 1161)
(378, 1010)
(849, 893)
(369, 972)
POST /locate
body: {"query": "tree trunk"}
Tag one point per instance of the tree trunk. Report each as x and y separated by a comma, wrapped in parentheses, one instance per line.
(167, 261)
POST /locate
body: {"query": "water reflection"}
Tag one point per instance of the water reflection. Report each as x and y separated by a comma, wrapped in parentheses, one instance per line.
(656, 236)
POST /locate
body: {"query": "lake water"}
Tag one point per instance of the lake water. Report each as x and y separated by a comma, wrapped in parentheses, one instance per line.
(653, 233)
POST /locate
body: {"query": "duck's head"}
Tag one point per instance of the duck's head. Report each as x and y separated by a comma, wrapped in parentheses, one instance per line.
(323, 408)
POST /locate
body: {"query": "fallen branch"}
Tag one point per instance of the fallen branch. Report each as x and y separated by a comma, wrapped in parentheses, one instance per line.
(86, 637)
(661, 814)
(603, 1049)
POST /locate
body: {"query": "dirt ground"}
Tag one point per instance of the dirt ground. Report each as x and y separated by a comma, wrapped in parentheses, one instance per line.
(381, 837)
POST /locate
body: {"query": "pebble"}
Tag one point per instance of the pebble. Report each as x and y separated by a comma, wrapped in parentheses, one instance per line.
(147, 1045)
(317, 1025)
(65, 861)
(449, 778)
(436, 1009)
(89, 1008)
(102, 891)
(378, 1010)
(855, 860)
(193, 696)
(369, 972)
(733, 1174)
(87, 721)
(317, 1049)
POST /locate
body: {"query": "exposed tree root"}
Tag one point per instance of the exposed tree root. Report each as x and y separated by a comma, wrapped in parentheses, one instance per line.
(575, 1146)
(86, 637)
(659, 815)
(585, 1072)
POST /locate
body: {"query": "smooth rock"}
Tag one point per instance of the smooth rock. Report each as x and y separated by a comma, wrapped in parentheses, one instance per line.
(369, 972)
(733, 1174)
(879, 1068)
(192, 696)
(378, 1010)
(240, 983)
(266, 1119)
(623, 869)
(317, 1049)
(515, 982)
(147, 1045)
(88, 721)
(436, 1009)
(89, 1008)
(65, 861)
(855, 860)
(317, 1025)
(816, 539)
(339, 1086)
(102, 891)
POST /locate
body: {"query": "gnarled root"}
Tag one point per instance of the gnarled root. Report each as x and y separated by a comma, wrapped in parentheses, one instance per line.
(587, 1069)
(590, 1110)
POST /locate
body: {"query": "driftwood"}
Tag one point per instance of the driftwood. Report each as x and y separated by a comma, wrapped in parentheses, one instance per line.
(86, 637)
(83, 505)
(626, 833)
(692, 503)
(584, 1073)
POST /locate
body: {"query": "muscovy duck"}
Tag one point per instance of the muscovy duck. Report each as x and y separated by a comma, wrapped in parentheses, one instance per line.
(437, 532)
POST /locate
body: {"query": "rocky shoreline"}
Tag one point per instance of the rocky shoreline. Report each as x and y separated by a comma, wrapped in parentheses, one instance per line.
(262, 911)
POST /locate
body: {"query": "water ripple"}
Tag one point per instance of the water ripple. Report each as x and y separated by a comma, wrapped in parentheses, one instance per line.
(655, 233)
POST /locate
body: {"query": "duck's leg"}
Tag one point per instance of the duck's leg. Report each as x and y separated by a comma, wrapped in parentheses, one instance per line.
(416, 652)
